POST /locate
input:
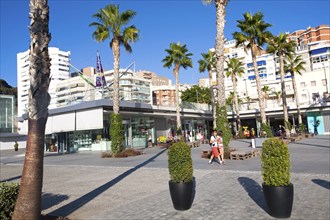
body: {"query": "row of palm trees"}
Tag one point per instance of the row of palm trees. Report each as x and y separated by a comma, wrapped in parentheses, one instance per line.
(112, 25)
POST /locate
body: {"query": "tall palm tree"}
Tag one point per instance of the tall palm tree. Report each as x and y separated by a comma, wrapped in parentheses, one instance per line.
(283, 48)
(295, 64)
(253, 36)
(177, 56)
(111, 25)
(220, 6)
(235, 68)
(208, 63)
(28, 204)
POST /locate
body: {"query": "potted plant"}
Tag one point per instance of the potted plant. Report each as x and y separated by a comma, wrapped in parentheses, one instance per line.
(277, 188)
(162, 141)
(181, 183)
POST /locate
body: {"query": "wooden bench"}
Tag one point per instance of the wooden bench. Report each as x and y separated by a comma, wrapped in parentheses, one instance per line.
(243, 155)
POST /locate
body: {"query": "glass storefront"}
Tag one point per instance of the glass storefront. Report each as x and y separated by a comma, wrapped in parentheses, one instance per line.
(142, 130)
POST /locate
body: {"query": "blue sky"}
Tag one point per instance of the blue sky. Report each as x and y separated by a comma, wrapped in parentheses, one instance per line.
(160, 23)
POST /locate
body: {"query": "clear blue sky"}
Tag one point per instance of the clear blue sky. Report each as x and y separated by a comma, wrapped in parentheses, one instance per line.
(160, 23)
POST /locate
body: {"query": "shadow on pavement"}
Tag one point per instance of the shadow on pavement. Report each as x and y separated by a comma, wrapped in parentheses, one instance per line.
(323, 183)
(254, 190)
(79, 202)
(313, 145)
(11, 179)
(50, 199)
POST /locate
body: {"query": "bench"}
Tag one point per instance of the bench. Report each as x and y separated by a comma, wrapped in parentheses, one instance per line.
(193, 144)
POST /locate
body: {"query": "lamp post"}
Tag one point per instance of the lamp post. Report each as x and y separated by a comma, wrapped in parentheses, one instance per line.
(325, 77)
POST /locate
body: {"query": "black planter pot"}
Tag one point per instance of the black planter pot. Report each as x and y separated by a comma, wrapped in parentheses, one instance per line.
(182, 195)
(279, 200)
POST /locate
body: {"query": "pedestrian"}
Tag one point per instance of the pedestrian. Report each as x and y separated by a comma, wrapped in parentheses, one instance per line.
(220, 145)
(214, 147)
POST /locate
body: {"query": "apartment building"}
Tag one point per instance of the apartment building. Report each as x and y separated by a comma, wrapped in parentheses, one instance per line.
(310, 35)
(59, 71)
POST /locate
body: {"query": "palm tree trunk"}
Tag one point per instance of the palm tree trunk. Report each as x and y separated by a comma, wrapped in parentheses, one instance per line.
(214, 115)
(285, 107)
(220, 6)
(260, 96)
(116, 56)
(238, 119)
(176, 74)
(28, 204)
(296, 95)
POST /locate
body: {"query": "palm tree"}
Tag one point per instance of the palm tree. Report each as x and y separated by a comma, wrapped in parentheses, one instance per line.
(28, 204)
(278, 96)
(110, 23)
(235, 68)
(283, 47)
(295, 64)
(248, 100)
(265, 95)
(220, 6)
(252, 36)
(208, 63)
(177, 56)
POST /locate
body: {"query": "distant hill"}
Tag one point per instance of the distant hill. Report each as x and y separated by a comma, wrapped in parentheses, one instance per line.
(6, 89)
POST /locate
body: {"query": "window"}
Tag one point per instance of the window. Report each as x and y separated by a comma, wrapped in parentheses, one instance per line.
(304, 96)
(313, 83)
(302, 85)
(287, 88)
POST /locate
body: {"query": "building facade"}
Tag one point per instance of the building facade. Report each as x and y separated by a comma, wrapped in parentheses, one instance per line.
(59, 71)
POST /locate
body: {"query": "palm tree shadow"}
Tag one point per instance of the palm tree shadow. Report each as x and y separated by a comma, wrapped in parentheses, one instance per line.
(49, 200)
(79, 202)
(323, 183)
(255, 192)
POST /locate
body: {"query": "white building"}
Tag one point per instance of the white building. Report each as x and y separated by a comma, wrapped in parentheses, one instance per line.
(59, 71)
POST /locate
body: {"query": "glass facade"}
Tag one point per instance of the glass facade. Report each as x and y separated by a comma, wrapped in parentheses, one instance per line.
(7, 113)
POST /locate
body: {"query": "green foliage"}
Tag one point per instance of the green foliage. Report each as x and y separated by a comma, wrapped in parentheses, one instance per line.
(179, 131)
(241, 133)
(116, 128)
(196, 94)
(223, 125)
(8, 197)
(302, 128)
(275, 162)
(267, 129)
(180, 163)
(288, 125)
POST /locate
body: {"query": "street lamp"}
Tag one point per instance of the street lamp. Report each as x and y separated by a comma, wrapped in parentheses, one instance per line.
(325, 77)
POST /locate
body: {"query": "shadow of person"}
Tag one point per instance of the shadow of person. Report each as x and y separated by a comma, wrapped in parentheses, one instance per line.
(323, 183)
(254, 191)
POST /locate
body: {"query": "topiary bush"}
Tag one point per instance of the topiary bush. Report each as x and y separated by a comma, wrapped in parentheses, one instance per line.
(180, 163)
(116, 133)
(275, 162)
(8, 197)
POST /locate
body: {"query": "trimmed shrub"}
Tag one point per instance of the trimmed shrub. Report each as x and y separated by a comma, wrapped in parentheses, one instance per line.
(267, 129)
(8, 197)
(180, 163)
(223, 125)
(275, 162)
(116, 133)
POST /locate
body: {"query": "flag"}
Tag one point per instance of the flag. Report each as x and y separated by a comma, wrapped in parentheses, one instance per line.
(100, 78)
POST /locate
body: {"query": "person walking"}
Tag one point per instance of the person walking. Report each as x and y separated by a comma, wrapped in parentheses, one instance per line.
(220, 146)
(214, 147)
